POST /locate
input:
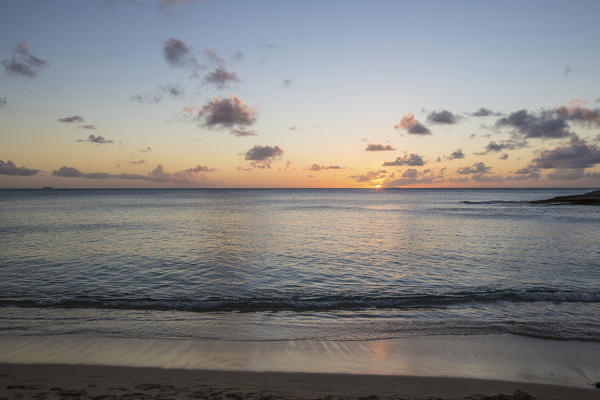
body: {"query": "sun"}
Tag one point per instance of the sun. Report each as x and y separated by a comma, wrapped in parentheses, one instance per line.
(377, 186)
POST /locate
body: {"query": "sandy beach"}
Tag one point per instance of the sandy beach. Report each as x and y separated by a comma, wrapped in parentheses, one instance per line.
(48, 381)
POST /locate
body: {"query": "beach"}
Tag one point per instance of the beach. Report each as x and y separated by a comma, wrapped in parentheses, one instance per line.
(51, 381)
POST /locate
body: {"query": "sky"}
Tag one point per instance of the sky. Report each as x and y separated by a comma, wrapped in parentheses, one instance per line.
(185, 93)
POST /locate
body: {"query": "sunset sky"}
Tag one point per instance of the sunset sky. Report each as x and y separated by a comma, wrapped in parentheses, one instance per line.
(183, 93)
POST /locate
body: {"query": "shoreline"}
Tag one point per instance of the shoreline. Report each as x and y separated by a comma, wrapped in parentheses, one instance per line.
(111, 382)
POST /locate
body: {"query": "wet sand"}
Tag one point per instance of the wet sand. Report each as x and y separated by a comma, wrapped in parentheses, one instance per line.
(47, 381)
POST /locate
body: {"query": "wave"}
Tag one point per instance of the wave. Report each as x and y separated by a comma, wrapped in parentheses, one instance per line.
(494, 202)
(307, 304)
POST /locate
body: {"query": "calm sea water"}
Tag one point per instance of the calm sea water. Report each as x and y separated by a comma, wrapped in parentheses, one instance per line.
(298, 264)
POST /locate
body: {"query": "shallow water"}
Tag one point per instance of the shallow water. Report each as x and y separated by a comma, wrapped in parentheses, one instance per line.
(298, 264)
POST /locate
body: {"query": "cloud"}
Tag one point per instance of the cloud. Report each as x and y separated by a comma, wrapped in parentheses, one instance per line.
(287, 83)
(97, 139)
(173, 90)
(370, 176)
(137, 162)
(23, 62)
(503, 157)
(69, 120)
(566, 174)
(544, 124)
(238, 56)
(176, 52)
(226, 113)
(146, 98)
(9, 168)
(145, 149)
(3, 101)
(567, 70)
(525, 174)
(169, 5)
(213, 56)
(457, 154)
(220, 77)
(443, 117)
(577, 113)
(510, 144)
(410, 160)
(194, 175)
(242, 132)
(317, 167)
(484, 112)
(412, 126)
(263, 153)
(88, 127)
(477, 168)
(410, 177)
(379, 147)
(486, 178)
(574, 155)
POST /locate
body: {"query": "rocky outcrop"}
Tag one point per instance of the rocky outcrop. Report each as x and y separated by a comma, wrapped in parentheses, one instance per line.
(591, 198)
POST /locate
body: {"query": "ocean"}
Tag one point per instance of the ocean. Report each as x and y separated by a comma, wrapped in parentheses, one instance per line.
(298, 264)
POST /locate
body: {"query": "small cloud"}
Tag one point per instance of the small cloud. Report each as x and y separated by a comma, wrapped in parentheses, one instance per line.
(168, 6)
(370, 176)
(503, 157)
(511, 144)
(238, 56)
(9, 168)
(379, 147)
(484, 112)
(242, 132)
(457, 154)
(444, 117)
(317, 167)
(97, 139)
(477, 168)
(220, 77)
(69, 120)
(146, 98)
(567, 71)
(287, 83)
(23, 62)
(566, 174)
(472, 136)
(176, 52)
(137, 162)
(410, 160)
(264, 153)
(292, 128)
(146, 149)
(88, 127)
(213, 56)
(226, 113)
(3, 101)
(486, 178)
(173, 90)
(412, 126)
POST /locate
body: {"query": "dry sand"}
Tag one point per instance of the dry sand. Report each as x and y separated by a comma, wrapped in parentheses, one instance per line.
(48, 381)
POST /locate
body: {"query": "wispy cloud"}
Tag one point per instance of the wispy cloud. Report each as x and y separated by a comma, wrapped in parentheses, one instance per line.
(317, 167)
(22, 62)
(370, 176)
(220, 77)
(88, 127)
(146, 149)
(379, 147)
(287, 83)
(96, 139)
(484, 112)
(70, 120)
(196, 175)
